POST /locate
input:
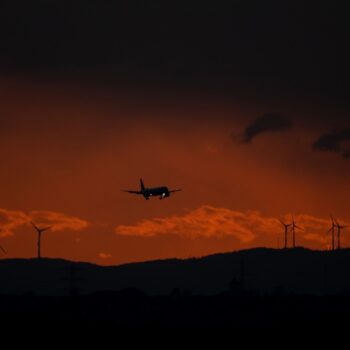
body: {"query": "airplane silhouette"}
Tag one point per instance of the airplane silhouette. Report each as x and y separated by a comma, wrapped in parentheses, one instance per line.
(162, 191)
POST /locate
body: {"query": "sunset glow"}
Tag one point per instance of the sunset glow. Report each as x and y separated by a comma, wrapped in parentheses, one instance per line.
(67, 171)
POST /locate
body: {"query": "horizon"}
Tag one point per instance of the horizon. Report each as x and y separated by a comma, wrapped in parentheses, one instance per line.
(249, 273)
(214, 254)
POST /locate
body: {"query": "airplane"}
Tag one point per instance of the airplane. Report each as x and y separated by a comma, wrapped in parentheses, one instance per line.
(162, 191)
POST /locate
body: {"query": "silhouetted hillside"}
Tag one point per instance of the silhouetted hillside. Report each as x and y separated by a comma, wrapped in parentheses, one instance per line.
(255, 271)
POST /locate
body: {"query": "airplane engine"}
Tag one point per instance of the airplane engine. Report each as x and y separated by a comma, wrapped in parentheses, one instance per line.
(164, 195)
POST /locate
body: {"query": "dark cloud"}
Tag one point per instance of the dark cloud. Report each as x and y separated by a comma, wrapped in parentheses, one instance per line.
(266, 123)
(334, 142)
(264, 46)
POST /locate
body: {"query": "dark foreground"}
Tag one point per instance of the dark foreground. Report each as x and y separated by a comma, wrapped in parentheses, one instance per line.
(133, 310)
(265, 291)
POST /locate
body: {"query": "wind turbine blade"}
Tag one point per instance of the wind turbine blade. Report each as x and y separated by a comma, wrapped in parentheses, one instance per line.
(3, 250)
(335, 221)
(293, 223)
(45, 229)
(36, 227)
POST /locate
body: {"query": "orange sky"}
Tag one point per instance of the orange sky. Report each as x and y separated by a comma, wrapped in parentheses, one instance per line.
(68, 149)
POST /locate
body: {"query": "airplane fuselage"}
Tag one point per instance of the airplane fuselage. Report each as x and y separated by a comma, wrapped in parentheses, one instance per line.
(162, 191)
(148, 192)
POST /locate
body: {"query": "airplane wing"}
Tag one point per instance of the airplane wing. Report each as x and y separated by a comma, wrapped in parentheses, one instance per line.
(134, 192)
(175, 190)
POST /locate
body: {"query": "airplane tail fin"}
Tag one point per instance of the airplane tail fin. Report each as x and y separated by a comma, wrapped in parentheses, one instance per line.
(142, 185)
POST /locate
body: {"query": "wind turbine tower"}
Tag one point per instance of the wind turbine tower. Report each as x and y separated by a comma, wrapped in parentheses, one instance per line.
(39, 231)
(2, 248)
(332, 230)
(339, 227)
(286, 227)
(294, 226)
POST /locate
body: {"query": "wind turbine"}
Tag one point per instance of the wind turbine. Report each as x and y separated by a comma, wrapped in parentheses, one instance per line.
(294, 226)
(339, 227)
(332, 229)
(40, 231)
(286, 227)
(1, 247)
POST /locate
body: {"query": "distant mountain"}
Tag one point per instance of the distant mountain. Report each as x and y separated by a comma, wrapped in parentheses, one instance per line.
(260, 270)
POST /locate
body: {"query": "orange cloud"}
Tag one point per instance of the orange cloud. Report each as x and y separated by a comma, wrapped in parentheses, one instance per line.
(249, 227)
(10, 220)
(58, 221)
(315, 229)
(105, 256)
(206, 221)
